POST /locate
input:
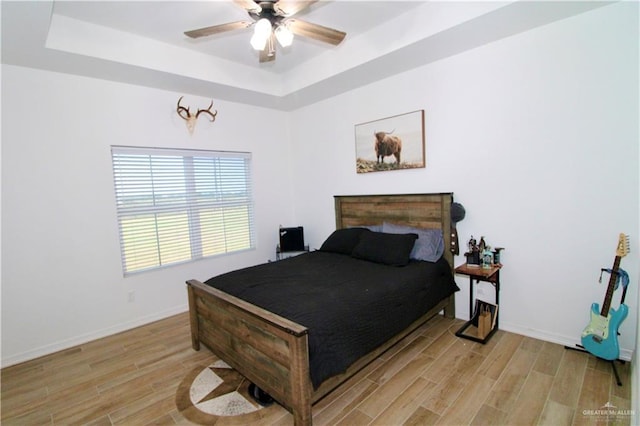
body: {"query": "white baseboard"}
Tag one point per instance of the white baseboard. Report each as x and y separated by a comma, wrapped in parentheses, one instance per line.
(625, 354)
(79, 340)
(635, 391)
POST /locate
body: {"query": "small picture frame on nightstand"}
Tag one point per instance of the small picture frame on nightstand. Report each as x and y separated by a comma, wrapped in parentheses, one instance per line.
(473, 258)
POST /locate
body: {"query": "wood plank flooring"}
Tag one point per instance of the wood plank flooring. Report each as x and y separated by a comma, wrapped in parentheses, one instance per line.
(429, 378)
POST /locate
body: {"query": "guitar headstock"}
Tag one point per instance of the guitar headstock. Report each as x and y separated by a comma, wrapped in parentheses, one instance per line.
(623, 246)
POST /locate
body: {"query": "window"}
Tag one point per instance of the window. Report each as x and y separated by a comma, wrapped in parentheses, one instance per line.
(179, 205)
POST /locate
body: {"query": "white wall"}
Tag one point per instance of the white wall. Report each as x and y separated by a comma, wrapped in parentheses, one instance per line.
(536, 135)
(62, 280)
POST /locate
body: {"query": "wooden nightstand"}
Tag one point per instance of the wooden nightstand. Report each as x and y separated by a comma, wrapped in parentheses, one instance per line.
(478, 273)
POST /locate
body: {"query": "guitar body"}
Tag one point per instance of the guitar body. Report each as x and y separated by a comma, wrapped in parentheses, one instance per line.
(600, 337)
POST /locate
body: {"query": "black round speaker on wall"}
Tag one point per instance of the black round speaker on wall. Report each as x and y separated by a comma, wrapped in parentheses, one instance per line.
(457, 212)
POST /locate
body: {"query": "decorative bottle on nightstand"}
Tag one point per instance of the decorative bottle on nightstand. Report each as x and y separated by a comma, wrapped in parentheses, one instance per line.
(487, 258)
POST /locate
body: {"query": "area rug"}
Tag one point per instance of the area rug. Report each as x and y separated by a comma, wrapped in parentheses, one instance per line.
(208, 394)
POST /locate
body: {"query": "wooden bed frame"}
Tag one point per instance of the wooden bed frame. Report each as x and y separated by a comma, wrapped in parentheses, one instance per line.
(272, 351)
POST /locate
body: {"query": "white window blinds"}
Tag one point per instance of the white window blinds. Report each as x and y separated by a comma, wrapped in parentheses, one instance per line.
(179, 205)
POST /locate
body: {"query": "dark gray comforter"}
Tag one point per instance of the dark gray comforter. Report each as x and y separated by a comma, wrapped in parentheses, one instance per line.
(350, 306)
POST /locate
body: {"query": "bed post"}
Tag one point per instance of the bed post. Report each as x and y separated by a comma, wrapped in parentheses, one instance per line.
(447, 230)
(450, 309)
(301, 387)
(193, 318)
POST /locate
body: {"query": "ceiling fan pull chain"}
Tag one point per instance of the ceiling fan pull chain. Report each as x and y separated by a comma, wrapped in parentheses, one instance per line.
(272, 47)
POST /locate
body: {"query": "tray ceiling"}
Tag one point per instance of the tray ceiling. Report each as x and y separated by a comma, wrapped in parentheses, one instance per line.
(142, 42)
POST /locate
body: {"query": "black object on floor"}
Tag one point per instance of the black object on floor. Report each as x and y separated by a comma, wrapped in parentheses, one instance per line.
(260, 396)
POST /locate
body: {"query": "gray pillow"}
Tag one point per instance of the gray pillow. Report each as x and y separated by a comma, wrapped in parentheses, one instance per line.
(428, 247)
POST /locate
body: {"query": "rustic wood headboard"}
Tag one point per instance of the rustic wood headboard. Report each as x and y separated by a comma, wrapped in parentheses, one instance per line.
(417, 210)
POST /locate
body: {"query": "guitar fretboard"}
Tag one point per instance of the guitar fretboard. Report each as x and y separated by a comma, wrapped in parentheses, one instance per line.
(610, 289)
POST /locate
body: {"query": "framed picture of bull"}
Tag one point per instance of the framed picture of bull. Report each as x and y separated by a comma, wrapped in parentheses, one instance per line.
(391, 143)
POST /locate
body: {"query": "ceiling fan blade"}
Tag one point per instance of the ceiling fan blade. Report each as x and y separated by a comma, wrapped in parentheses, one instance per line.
(268, 54)
(291, 7)
(249, 5)
(207, 31)
(315, 31)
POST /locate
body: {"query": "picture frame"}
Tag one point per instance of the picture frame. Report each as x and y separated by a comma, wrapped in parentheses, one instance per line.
(392, 143)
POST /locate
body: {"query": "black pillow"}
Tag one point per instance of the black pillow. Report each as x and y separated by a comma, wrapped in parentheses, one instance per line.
(343, 240)
(389, 249)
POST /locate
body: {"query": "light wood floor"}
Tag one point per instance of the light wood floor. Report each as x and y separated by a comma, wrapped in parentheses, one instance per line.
(431, 377)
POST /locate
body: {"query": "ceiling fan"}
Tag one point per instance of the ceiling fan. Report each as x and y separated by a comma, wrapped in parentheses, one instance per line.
(273, 21)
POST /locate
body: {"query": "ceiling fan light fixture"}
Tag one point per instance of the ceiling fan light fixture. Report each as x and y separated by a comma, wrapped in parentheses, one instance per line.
(273, 24)
(261, 34)
(258, 43)
(284, 35)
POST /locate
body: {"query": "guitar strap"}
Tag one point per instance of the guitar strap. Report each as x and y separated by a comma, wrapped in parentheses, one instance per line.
(622, 278)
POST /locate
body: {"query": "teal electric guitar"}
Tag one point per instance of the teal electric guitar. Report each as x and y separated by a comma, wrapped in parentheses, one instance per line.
(600, 337)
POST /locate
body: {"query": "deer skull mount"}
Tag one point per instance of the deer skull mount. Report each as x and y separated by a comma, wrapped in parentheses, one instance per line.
(190, 118)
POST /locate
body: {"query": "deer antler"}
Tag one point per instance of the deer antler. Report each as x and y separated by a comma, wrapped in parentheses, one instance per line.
(208, 111)
(182, 110)
(185, 114)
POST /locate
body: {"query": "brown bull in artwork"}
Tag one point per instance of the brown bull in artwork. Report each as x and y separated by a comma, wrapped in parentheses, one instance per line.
(387, 144)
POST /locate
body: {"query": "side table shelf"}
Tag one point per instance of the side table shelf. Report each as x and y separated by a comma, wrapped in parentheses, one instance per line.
(284, 254)
(479, 274)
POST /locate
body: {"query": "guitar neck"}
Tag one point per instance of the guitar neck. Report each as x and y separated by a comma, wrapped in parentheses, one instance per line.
(611, 287)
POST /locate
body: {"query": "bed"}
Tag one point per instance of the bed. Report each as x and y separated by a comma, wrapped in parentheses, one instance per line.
(281, 355)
